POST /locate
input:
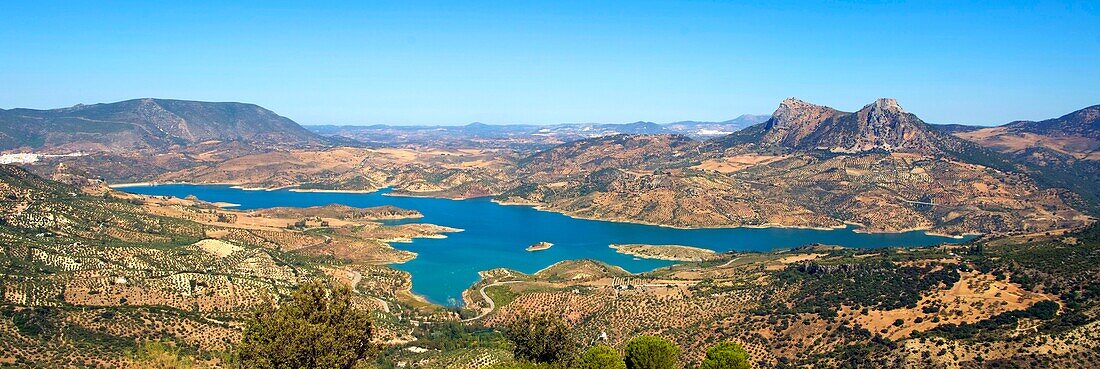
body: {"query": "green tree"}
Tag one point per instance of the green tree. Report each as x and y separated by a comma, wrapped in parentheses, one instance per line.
(726, 355)
(38, 321)
(601, 357)
(541, 339)
(315, 328)
(649, 352)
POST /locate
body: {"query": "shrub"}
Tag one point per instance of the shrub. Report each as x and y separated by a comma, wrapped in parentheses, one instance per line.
(38, 321)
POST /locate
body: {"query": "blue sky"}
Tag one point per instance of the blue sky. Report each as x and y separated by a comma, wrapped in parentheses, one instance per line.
(557, 61)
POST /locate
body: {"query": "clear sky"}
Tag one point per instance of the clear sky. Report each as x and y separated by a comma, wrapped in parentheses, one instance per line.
(985, 62)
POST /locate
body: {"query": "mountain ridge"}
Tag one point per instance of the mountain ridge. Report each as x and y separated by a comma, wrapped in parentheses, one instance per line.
(148, 123)
(880, 125)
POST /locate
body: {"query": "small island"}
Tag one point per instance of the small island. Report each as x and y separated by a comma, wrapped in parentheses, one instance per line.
(666, 252)
(540, 246)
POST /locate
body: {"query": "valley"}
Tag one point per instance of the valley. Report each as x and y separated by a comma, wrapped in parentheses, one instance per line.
(795, 170)
(550, 185)
(805, 236)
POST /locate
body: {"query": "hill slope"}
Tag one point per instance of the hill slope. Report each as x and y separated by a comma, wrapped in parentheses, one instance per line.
(142, 124)
(807, 166)
(1060, 152)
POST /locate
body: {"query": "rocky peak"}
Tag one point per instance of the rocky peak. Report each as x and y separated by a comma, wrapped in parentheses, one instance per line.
(794, 119)
(880, 125)
(793, 110)
(886, 103)
(882, 110)
(883, 113)
(794, 103)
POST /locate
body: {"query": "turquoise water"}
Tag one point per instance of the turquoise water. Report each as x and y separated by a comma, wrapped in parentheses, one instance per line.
(495, 235)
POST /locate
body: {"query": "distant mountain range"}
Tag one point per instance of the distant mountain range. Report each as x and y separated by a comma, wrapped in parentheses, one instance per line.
(144, 139)
(527, 136)
(143, 124)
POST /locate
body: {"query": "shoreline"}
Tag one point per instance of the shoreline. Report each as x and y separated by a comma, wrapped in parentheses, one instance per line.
(752, 226)
(296, 189)
(860, 228)
(132, 184)
(241, 187)
(855, 227)
(418, 196)
(539, 246)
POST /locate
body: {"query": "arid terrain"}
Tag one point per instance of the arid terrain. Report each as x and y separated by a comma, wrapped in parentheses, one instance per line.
(89, 271)
(825, 307)
(97, 266)
(802, 167)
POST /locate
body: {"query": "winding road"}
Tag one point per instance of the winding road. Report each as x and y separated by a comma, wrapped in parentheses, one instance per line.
(492, 305)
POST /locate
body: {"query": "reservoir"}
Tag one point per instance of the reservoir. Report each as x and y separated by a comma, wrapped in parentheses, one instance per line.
(495, 236)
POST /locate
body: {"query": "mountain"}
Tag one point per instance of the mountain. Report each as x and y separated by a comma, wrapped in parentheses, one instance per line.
(1076, 134)
(710, 129)
(806, 166)
(881, 125)
(746, 120)
(148, 124)
(1059, 152)
(617, 151)
(525, 137)
(634, 128)
(1084, 122)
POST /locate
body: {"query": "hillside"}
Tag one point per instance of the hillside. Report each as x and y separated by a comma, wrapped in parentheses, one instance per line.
(807, 166)
(1021, 302)
(88, 274)
(1076, 135)
(147, 124)
(1059, 152)
(641, 152)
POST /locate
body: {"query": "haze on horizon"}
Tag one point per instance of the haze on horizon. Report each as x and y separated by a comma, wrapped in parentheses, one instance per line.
(560, 62)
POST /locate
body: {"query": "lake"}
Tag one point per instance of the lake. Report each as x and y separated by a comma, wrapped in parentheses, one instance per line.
(496, 235)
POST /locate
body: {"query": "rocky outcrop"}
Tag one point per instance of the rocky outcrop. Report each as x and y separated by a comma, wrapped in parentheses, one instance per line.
(881, 126)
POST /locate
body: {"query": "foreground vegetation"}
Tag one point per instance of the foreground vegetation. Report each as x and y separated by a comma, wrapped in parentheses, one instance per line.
(99, 278)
